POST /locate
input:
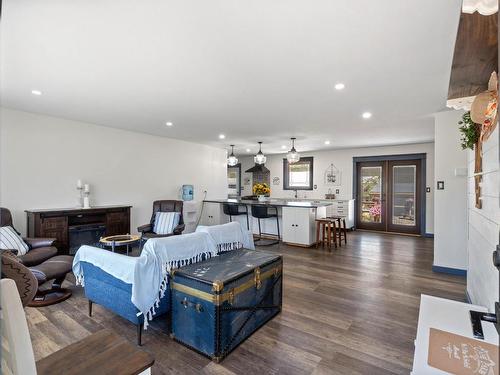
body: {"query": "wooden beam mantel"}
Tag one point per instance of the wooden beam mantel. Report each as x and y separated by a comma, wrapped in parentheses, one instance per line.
(475, 56)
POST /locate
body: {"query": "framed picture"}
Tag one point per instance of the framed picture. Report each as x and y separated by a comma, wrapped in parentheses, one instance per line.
(333, 176)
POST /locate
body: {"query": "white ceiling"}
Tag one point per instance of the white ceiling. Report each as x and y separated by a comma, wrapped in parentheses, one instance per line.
(253, 70)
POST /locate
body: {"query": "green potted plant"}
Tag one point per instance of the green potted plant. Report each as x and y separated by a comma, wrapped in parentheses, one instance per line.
(469, 132)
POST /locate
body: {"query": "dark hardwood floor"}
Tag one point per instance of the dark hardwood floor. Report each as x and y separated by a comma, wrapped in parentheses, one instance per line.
(353, 310)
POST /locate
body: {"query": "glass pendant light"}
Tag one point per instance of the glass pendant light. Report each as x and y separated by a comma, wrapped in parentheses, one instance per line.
(260, 158)
(293, 156)
(232, 160)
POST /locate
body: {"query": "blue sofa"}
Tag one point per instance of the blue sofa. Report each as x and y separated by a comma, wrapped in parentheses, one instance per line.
(115, 295)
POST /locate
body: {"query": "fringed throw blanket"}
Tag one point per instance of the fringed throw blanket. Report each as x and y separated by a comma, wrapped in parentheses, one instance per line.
(148, 273)
(159, 256)
(229, 236)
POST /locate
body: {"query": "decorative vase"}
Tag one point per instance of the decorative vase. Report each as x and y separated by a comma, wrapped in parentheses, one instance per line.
(261, 198)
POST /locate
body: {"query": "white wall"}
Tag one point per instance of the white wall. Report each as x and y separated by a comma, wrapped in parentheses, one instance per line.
(42, 157)
(450, 204)
(343, 161)
(484, 227)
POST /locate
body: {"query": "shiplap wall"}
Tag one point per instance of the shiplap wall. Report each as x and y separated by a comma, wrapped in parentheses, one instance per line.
(484, 227)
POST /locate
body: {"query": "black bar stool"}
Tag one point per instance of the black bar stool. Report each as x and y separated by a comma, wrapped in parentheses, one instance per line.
(261, 211)
(233, 209)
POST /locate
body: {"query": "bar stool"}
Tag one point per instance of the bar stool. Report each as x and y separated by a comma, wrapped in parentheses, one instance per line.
(342, 228)
(261, 211)
(233, 209)
(328, 231)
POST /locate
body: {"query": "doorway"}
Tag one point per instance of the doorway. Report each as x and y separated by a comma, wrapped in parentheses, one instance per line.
(390, 193)
(234, 181)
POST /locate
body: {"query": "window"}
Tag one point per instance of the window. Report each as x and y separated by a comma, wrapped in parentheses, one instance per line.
(298, 176)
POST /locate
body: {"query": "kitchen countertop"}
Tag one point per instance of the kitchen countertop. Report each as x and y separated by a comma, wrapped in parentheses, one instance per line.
(273, 202)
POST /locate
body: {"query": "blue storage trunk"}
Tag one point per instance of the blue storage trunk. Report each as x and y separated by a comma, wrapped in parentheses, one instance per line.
(218, 303)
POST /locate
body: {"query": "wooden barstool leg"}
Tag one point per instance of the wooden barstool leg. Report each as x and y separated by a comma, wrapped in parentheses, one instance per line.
(334, 234)
(322, 234)
(345, 231)
(318, 225)
(329, 235)
(339, 233)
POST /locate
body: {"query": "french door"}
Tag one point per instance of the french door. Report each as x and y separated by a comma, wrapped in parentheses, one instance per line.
(389, 195)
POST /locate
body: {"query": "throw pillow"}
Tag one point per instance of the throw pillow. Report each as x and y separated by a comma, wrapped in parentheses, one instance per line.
(10, 240)
(165, 222)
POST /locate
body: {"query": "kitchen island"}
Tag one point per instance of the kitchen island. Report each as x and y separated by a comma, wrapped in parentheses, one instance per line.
(296, 217)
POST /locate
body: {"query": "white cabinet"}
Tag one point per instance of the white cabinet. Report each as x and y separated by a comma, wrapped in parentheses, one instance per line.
(343, 208)
(299, 225)
(212, 214)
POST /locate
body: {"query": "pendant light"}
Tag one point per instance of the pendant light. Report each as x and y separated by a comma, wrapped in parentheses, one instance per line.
(260, 158)
(232, 160)
(293, 156)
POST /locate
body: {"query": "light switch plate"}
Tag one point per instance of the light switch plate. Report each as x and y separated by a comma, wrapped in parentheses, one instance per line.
(440, 185)
(337, 191)
(428, 189)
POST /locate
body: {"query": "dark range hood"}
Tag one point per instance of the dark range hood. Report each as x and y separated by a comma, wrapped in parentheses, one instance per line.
(257, 168)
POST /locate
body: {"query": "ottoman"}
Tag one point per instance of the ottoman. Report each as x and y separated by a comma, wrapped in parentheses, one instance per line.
(55, 269)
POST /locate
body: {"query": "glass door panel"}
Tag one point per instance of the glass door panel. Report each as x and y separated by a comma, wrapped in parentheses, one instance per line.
(403, 194)
(371, 194)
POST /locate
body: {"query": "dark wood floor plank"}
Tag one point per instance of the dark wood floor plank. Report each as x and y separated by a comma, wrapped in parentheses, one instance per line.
(351, 310)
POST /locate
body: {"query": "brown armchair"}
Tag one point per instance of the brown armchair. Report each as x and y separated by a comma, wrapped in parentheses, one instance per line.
(28, 280)
(162, 206)
(41, 249)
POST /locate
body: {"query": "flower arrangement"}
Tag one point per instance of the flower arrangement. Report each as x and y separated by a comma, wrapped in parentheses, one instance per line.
(261, 189)
(375, 210)
(470, 132)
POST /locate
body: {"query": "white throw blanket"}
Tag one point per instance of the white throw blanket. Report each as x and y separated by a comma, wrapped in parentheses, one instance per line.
(229, 236)
(118, 265)
(159, 256)
(148, 273)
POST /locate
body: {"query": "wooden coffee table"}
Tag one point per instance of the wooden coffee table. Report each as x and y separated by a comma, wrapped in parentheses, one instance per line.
(120, 240)
(103, 353)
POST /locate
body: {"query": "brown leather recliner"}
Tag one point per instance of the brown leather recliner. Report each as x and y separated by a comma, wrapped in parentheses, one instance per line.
(40, 262)
(162, 206)
(28, 280)
(41, 249)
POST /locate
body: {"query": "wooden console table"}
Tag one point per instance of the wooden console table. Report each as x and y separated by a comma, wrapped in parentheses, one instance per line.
(57, 223)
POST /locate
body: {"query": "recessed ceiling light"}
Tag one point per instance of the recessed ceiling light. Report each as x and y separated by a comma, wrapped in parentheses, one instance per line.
(339, 86)
(367, 115)
(168, 123)
(222, 136)
(248, 150)
(36, 92)
(327, 142)
(283, 147)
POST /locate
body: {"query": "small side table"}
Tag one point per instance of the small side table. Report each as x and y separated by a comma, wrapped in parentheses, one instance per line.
(120, 240)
